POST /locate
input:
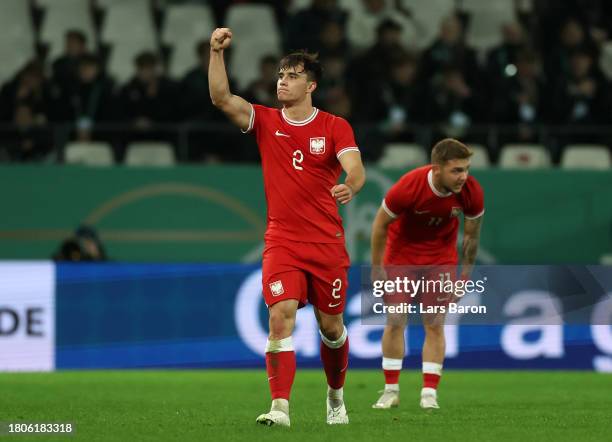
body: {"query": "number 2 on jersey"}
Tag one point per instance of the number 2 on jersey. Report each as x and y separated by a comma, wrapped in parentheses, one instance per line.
(337, 285)
(298, 157)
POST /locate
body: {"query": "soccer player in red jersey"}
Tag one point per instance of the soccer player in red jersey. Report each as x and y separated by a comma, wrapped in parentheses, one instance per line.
(303, 152)
(417, 225)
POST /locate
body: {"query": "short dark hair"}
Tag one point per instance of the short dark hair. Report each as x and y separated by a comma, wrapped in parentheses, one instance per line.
(77, 35)
(310, 61)
(89, 59)
(449, 149)
(202, 47)
(146, 59)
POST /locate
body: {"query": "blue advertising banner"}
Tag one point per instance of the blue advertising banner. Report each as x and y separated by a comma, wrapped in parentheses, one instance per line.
(188, 316)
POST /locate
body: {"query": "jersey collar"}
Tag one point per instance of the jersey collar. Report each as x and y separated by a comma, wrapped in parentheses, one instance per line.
(433, 188)
(303, 122)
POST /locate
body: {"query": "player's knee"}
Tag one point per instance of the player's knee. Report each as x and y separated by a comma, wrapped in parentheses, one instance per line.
(436, 330)
(281, 322)
(396, 323)
(332, 329)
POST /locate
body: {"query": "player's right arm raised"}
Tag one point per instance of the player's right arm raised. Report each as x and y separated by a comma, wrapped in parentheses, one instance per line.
(236, 108)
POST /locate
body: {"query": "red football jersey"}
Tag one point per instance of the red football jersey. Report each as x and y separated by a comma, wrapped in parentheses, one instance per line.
(425, 232)
(300, 166)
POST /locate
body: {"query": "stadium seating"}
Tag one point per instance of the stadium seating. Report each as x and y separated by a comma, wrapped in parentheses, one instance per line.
(249, 44)
(129, 28)
(89, 154)
(427, 15)
(605, 62)
(486, 20)
(248, 20)
(17, 42)
(150, 154)
(185, 26)
(361, 26)
(524, 156)
(402, 155)
(245, 59)
(62, 15)
(586, 156)
(297, 5)
(480, 159)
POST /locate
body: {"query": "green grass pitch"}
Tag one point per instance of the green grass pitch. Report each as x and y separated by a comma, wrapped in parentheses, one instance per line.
(222, 406)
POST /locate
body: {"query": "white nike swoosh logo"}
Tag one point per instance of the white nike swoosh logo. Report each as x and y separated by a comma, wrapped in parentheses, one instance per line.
(420, 212)
(272, 377)
(334, 305)
(280, 134)
(446, 298)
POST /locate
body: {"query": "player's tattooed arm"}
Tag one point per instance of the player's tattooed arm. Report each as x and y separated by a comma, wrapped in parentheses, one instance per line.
(355, 177)
(237, 109)
(471, 239)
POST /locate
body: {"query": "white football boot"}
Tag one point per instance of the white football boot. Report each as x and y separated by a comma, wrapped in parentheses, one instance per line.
(389, 399)
(336, 415)
(278, 414)
(274, 417)
(429, 399)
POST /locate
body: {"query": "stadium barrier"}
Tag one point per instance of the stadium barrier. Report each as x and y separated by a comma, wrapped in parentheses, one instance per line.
(122, 316)
(218, 213)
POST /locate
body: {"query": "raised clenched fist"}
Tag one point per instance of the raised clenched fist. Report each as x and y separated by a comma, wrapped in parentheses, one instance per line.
(220, 39)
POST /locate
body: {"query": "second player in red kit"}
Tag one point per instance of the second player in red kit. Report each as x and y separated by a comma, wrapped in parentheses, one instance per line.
(303, 151)
(417, 225)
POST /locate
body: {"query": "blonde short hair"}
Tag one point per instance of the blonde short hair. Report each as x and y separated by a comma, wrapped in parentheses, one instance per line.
(449, 149)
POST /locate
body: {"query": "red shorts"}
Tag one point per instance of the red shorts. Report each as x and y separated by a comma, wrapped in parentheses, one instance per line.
(314, 273)
(429, 288)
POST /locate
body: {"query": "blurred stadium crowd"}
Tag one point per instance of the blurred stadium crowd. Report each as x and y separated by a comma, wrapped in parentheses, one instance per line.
(126, 81)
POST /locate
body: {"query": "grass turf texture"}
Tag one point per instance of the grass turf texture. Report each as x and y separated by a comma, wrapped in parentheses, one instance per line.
(219, 406)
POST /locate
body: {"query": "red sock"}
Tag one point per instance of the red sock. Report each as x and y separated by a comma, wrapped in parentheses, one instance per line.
(281, 372)
(335, 363)
(431, 380)
(392, 376)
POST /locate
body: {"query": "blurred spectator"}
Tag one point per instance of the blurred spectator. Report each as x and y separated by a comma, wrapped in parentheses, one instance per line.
(401, 99)
(501, 60)
(521, 100)
(338, 103)
(454, 105)
(84, 245)
(195, 101)
(366, 72)
(572, 37)
(149, 97)
(332, 40)
(303, 30)
(65, 68)
(363, 22)
(333, 80)
(196, 107)
(29, 140)
(263, 89)
(148, 102)
(449, 50)
(28, 88)
(87, 100)
(582, 98)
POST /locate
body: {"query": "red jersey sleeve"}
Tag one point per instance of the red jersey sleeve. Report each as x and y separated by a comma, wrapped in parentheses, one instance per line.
(343, 137)
(257, 115)
(473, 200)
(400, 197)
